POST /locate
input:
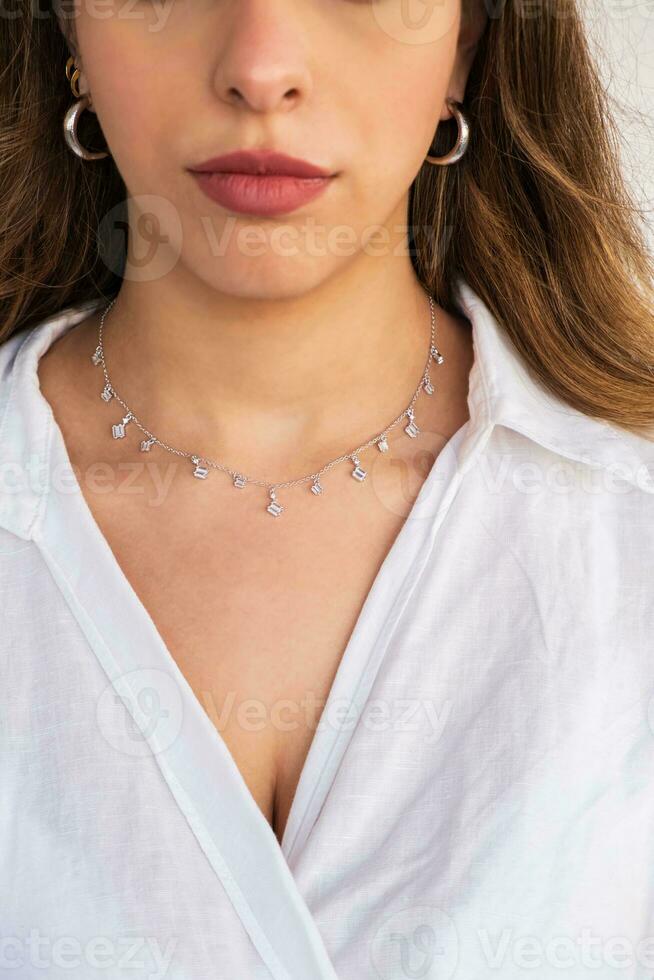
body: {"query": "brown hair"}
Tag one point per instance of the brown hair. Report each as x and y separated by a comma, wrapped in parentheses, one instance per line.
(536, 216)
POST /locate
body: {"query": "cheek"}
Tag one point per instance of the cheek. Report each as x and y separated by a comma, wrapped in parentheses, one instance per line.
(413, 105)
(402, 111)
(133, 99)
(403, 86)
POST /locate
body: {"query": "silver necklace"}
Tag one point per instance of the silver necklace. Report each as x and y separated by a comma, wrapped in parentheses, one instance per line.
(202, 465)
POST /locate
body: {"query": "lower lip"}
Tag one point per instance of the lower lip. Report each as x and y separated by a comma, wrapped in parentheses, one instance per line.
(263, 195)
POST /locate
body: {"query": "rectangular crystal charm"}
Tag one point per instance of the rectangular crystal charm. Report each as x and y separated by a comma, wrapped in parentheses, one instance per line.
(274, 508)
(96, 356)
(239, 481)
(201, 472)
(359, 474)
(412, 430)
(118, 431)
(107, 393)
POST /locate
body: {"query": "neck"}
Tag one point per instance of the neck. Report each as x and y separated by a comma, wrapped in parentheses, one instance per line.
(271, 385)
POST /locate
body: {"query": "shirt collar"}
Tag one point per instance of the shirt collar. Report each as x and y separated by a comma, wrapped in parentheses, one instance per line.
(27, 422)
(502, 391)
(515, 398)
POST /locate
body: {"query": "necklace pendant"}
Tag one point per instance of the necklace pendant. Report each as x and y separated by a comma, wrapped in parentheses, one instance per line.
(382, 445)
(358, 472)
(239, 481)
(316, 487)
(274, 507)
(118, 430)
(200, 471)
(106, 393)
(428, 386)
(146, 444)
(411, 429)
(96, 356)
(436, 354)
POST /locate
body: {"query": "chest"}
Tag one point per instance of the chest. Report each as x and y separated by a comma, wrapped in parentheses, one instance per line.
(256, 613)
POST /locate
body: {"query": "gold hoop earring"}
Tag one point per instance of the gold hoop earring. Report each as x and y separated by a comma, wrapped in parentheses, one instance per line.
(462, 140)
(74, 112)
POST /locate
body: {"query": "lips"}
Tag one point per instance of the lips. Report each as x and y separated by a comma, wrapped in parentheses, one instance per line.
(260, 162)
(261, 183)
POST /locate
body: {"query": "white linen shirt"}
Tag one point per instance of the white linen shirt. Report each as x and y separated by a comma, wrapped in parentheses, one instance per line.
(486, 808)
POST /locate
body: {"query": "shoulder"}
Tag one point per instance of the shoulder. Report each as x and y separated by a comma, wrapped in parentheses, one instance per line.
(507, 393)
(9, 353)
(26, 418)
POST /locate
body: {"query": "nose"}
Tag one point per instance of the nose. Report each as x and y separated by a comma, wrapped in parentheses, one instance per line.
(263, 60)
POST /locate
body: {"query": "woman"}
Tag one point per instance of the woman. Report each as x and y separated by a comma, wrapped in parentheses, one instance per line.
(327, 511)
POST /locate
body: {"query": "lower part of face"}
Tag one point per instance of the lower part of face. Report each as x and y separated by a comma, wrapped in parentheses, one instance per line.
(353, 87)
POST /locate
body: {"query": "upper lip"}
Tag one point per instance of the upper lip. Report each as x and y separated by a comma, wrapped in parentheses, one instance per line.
(260, 162)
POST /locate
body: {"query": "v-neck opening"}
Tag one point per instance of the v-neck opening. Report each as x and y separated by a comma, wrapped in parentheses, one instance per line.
(253, 866)
(196, 763)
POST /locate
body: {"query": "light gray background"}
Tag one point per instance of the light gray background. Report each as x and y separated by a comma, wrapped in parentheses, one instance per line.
(622, 38)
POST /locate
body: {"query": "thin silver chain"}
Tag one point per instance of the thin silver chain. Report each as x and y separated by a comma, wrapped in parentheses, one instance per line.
(202, 464)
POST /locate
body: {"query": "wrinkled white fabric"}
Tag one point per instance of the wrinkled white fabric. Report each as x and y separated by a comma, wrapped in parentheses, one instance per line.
(487, 809)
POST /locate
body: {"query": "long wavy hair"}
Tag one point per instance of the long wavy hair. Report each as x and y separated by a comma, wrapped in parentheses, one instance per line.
(537, 216)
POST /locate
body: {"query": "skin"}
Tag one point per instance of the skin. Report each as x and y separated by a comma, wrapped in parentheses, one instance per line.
(258, 74)
(272, 362)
